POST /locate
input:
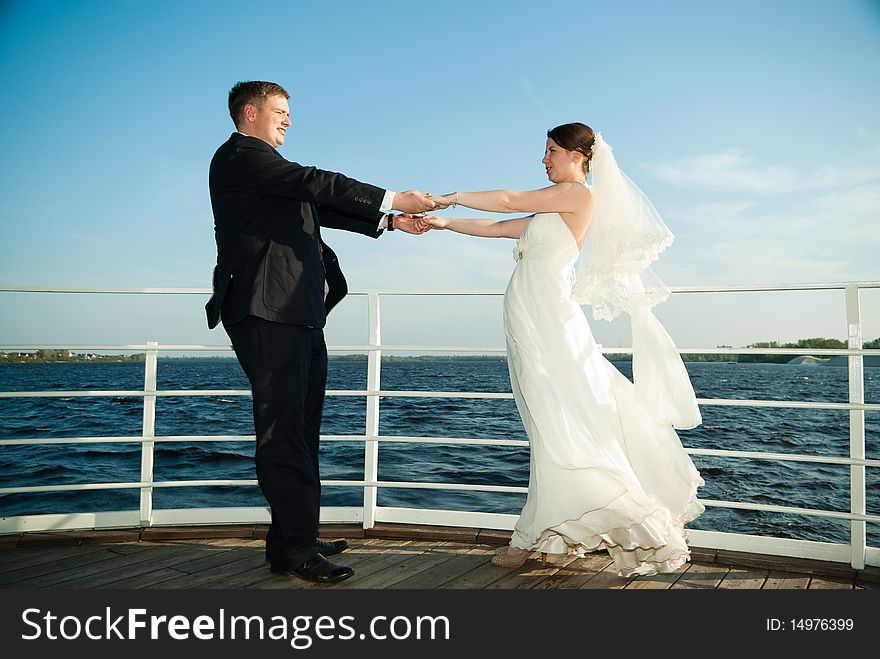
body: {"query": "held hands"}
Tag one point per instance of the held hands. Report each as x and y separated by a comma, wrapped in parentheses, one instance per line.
(413, 201)
(419, 224)
(410, 224)
(431, 222)
(444, 201)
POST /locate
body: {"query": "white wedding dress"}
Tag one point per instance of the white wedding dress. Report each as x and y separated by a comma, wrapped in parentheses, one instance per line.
(604, 474)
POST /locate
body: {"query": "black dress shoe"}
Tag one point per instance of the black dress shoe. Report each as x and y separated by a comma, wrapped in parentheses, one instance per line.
(331, 548)
(317, 569)
(326, 548)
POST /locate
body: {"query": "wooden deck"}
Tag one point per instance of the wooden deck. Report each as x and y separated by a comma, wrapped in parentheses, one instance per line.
(388, 556)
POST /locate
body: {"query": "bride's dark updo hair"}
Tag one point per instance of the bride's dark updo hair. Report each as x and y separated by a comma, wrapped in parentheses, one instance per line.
(575, 137)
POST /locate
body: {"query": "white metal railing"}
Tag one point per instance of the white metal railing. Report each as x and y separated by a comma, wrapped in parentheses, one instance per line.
(856, 553)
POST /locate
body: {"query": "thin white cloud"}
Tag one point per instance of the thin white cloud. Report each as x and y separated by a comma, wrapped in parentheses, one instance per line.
(829, 235)
(530, 92)
(734, 170)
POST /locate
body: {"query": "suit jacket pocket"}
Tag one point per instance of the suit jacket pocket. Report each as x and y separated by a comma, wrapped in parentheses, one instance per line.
(281, 282)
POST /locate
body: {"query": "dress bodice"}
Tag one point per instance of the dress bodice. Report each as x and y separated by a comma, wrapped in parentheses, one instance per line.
(547, 238)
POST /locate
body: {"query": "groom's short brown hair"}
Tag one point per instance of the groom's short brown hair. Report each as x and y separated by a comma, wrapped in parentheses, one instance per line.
(251, 92)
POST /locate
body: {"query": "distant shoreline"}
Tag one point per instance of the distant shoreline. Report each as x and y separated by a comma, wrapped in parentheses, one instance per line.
(64, 355)
(870, 361)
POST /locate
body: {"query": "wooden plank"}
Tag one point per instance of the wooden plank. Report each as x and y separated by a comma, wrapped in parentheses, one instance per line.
(184, 557)
(607, 579)
(662, 581)
(702, 555)
(206, 557)
(139, 581)
(831, 583)
(389, 552)
(261, 571)
(162, 570)
(198, 532)
(702, 575)
(466, 559)
(30, 557)
(10, 541)
(68, 561)
(578, 572)
(431, 557)
(493, 537)
(416, 532)
(370, 560)
(350, 532)
(80, 537)
(145, 575)
(132, 547)
(870, 574)
(785, 563)
(132, 574)
(786, 580)
(476, 578)
(359, 556)
(240, 561)
(741, 578)
(96, 574)
(532, 573)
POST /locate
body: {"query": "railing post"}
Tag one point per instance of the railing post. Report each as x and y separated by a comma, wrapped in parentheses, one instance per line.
(856, 427)
(149, 432)
(371, 446)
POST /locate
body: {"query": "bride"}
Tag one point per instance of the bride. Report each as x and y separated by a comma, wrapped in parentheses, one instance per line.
(607, 469)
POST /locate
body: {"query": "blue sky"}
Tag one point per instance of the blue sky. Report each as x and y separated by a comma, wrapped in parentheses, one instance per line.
(753, 126)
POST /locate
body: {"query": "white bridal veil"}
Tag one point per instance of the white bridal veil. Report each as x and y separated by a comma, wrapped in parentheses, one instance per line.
(613, 275)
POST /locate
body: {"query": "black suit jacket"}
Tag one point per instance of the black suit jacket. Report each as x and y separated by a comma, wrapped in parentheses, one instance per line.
(268, 214)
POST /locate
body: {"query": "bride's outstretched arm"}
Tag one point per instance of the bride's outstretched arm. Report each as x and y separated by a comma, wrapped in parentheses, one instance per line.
(568, 197)
(486, 228)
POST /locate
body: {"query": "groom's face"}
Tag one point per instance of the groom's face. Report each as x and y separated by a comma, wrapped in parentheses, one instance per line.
(270, 122)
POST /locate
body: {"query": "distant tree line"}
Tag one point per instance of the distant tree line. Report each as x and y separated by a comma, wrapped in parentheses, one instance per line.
(817, 343)
(64, 355)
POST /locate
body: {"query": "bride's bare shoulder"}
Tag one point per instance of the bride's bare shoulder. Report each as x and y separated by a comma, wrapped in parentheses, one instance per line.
(574, 187)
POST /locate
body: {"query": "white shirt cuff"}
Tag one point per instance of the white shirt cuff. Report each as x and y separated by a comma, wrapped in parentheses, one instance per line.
(387, 202)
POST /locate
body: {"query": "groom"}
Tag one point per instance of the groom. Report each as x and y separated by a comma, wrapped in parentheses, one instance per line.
(274, 283)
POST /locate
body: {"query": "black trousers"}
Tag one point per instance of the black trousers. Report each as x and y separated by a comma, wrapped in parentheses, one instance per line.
(287, 369)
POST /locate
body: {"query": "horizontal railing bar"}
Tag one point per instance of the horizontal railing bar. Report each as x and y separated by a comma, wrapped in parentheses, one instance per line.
(756, 455)
(742, 288)
(34, 489)
(464, 441)
(139, 439)
(460, 487)
(773, 351)
(792, 404)
(170, 393)
(249, 482)
(626, 351)
(4, 288)
(400, 439)
(763, 507)
(751, 288)
(784, 457)
(176, 347)
(133, 393)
